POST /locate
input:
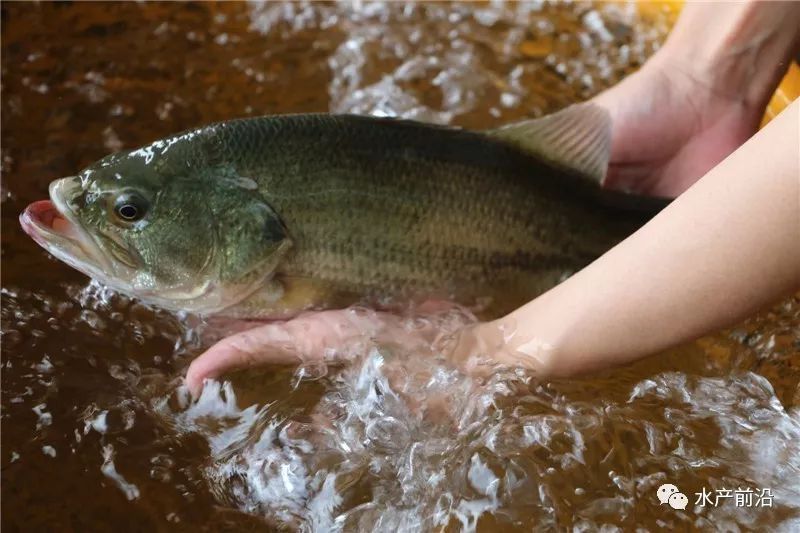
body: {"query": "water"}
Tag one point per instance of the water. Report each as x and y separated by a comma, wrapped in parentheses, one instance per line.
(99, 434)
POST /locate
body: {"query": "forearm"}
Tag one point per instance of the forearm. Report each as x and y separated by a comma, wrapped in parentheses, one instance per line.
(725, 248)
(739, 49)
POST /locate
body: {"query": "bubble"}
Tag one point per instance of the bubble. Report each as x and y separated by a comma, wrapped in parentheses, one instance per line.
(311, 371)
(49, 451)
(109, 470)
(44, 418)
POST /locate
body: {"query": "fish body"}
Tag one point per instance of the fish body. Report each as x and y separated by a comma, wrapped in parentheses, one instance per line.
(273, 215)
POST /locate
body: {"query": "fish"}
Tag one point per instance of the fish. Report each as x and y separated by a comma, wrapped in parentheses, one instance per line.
(268, 217)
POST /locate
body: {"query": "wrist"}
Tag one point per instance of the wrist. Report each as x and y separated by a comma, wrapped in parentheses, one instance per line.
(516, 344)
(738, 51)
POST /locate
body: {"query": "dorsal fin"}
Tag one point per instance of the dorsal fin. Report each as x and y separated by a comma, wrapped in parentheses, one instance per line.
(577, 138)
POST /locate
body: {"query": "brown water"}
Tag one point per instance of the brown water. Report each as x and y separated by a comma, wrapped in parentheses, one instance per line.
(98, 435)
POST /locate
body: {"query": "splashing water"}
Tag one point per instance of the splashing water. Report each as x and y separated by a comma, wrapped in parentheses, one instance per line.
(395, 439)
(402, 441)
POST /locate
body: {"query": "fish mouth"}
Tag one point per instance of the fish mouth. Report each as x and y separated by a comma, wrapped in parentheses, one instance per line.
(54, 226)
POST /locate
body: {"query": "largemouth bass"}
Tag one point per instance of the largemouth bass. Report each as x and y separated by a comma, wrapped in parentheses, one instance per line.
(266, 217)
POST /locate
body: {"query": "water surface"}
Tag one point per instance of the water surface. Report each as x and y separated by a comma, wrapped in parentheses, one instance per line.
(96, 433)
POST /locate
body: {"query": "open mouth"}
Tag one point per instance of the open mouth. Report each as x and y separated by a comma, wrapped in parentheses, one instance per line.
(53, 226)
(42, 217)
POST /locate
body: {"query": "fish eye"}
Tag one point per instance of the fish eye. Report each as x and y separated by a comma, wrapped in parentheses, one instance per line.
(130, 207)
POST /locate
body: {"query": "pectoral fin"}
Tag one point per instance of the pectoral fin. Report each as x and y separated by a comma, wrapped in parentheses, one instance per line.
(284, 297)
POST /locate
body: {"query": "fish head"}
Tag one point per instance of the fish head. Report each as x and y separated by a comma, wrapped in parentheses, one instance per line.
(179, 236)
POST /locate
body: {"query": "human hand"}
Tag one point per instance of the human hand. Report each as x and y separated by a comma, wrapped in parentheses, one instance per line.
(337, 335)
(701, 96)
(437, 329)
(671, 125)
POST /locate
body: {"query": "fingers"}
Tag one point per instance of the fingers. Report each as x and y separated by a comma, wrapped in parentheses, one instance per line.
(315, 336)
(322, 336)
(232, 353)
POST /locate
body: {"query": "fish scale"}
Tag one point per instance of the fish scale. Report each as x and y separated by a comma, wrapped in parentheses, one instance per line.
(277, 214)
(414, 207)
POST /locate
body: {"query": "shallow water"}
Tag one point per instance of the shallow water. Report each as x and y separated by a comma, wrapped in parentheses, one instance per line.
(97, 433)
